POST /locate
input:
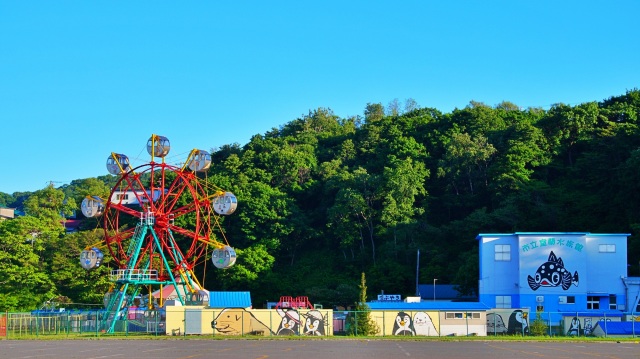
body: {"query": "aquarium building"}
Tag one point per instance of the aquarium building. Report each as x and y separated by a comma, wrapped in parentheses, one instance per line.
(568, 273)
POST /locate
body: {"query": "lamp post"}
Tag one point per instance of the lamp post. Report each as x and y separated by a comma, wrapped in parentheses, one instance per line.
(434, 289)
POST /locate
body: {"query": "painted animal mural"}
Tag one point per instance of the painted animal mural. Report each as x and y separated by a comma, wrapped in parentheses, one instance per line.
(495, 324)
(403, 325)
(588, 326)
(290, 324)
(423, 324)
(574, 327)
(552, 273)
(238, 321)
(314, 323)
(518, 323)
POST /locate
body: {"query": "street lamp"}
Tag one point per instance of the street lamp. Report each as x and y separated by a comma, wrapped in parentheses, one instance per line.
(434, 289)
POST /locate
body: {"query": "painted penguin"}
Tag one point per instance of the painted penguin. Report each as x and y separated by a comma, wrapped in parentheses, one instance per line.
(289, 323)
(518, 323)
(314, 324)
(574, 327)
(423, 324)
(403, 325)
(552, 274)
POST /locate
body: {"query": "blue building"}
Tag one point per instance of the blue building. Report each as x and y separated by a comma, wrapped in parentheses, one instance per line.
(575, 273)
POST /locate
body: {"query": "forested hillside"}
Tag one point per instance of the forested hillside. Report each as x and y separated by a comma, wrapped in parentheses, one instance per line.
(324, 198)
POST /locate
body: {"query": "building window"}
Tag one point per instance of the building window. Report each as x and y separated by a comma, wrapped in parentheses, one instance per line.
(461, 315)
(593, 302)
(503, 252)
(607, 248)
(613, 302)
(569, 299)
(503, 301)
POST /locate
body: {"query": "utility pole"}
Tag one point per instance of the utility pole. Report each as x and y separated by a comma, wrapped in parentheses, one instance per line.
(417, 274)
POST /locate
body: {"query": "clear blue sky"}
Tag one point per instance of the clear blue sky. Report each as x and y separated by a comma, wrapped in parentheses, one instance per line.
(82, 79)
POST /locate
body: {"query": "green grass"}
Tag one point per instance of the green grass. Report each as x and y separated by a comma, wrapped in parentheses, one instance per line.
(502, 338)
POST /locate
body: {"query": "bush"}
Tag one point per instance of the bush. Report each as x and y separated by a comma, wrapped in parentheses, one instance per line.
(539, 327)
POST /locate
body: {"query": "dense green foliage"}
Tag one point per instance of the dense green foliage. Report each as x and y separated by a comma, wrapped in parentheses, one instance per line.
(323, 198)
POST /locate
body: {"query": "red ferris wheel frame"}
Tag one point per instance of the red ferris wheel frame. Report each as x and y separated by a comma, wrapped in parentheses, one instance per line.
(177, 207)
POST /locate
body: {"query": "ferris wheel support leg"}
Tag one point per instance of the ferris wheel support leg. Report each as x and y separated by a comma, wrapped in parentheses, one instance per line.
(166, 265)
(114, 307)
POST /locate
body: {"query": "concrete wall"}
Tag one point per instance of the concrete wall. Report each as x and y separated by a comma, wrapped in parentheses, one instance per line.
(240, 321)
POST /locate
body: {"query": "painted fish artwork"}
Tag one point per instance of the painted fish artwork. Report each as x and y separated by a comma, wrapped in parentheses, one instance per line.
(552, 273)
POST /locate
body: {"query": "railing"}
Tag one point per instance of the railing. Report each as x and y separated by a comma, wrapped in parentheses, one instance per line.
(136, 275)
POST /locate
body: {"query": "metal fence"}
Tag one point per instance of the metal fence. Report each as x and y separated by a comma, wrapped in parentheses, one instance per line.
(491, 323)
(81, 323)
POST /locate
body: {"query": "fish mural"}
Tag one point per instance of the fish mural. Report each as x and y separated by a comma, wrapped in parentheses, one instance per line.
(552, 273)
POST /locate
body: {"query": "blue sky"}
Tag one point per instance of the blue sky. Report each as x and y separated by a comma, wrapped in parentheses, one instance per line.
(82, 79)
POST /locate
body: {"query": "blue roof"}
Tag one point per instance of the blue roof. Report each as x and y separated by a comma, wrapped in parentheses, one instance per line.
(443, 291)
(426, 305)
(229, 299)
(619, 328)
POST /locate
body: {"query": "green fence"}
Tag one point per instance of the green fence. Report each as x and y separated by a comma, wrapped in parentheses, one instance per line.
(85, 323)
(495, 322)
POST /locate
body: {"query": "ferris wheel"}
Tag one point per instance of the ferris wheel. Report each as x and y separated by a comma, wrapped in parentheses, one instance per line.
(160, 221)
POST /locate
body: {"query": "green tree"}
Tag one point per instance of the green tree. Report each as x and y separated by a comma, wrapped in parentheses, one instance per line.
(24, 281)
(361, 323)
(49, 203)
(373, 112)
(465, 162)
(71, 280)
(539, 326)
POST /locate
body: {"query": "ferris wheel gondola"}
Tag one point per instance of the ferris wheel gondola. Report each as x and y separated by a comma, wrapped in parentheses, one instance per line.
(91, 258)
(92, 206)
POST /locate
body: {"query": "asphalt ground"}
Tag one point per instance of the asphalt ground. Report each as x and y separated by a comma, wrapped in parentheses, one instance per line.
(310, 349)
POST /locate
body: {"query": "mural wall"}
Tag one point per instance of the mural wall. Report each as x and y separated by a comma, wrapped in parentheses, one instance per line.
(507, 321)
(583, 326)
(286, 322)
(430, 323)
(552, 265)
(401, 323)
(239, 321)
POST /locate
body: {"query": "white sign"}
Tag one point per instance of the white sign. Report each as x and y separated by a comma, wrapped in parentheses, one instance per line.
(389, 297)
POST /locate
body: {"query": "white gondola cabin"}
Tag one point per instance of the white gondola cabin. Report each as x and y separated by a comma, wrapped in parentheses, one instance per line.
(91, 258)
(223, 257)
(158, 146)
(225, 204)
(199, 160)
(118, 164)
(92, 206)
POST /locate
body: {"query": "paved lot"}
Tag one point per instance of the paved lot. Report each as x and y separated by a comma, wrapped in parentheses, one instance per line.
(308, 349)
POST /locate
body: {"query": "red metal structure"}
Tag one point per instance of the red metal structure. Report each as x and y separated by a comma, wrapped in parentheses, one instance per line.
(294, 303)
